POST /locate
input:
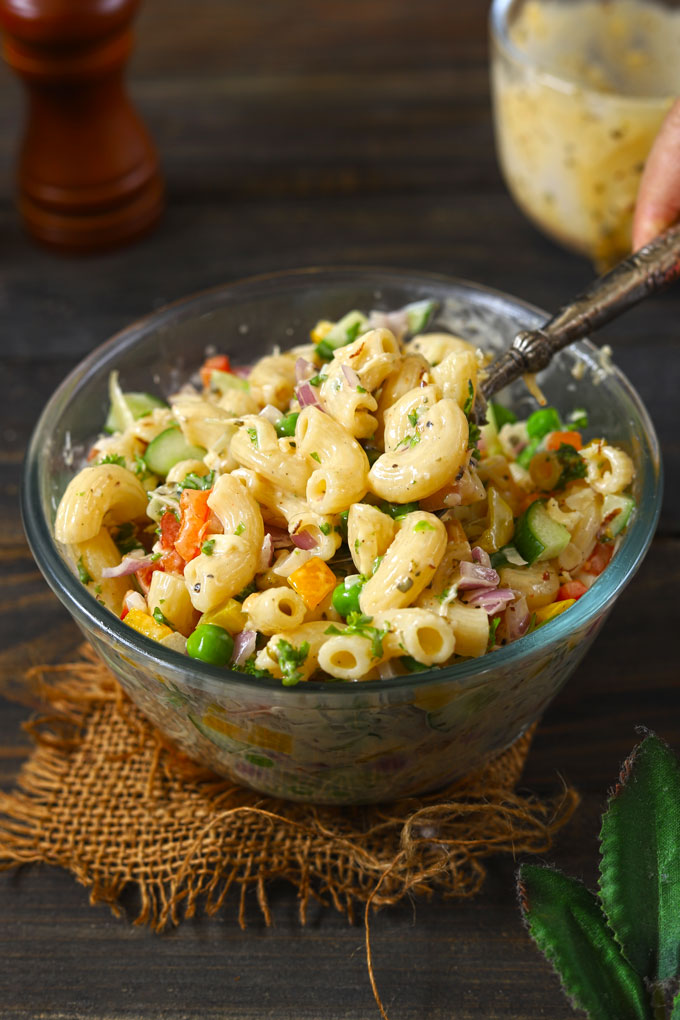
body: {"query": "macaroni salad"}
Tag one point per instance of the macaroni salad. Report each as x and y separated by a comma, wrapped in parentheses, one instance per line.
(333, 513)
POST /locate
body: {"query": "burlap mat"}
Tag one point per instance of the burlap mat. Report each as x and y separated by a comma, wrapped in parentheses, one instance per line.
(104, 796)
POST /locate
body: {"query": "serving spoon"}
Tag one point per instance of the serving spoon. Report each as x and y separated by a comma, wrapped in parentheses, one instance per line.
(646, 272)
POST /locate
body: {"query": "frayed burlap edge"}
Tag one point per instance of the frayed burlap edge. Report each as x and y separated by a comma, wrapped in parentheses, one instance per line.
(104, 796)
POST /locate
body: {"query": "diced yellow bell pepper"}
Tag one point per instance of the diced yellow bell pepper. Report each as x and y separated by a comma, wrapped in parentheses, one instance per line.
(313, 581)
(552, 610)
(229, 615)
(322, 329)
(146, 625)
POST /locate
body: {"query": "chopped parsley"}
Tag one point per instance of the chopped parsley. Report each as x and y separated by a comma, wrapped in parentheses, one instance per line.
(290, 660)
(572, 463)
(83, 572)
(578, 419)
(316, 457)
(360, 624)
(126, 539)
(317, 380)
(141, 469)
(252, 432)
(251, 669)
(467, 406)
(413, 418)
(240, 528)
(443, 595)
(423, 526)
(194, 481)
(160, 617)
(207, 547)
(493, 627)
(112, 458)
(412, 665)
(361, 389)
(409, 441)
(248, 590)
(325, 529)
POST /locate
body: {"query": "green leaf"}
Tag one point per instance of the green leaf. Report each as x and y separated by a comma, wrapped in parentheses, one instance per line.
(640, 864)
(675, 1015)
(566, 922)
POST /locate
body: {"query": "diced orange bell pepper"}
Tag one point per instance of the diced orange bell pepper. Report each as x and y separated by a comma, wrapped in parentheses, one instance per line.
(557, 439)
(571, 590)
(219, 363)
(313, 581)
(195, 513)
(599, 558)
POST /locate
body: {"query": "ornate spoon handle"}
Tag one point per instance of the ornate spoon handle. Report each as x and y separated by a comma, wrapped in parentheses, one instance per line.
(646, 272)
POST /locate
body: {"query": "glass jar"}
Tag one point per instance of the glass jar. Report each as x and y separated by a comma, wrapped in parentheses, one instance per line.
(580, 88)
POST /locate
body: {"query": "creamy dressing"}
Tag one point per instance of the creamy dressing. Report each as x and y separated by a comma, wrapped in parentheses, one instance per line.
(580, 91)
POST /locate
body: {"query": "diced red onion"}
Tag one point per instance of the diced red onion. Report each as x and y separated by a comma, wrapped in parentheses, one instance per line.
(266, 555)
(492, 601)
(306, 396)
(304, 540)
(128, 565)
(396, 322)
(133, 600)
(242, 371)
(517, 619)
(474, 575)
(304, 370)
(351, 376)
(244, 646)
(279, 536)
(480, 555)
(271, 413)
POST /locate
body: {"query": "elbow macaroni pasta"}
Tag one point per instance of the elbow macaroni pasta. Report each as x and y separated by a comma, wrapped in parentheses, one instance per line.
(345, 511)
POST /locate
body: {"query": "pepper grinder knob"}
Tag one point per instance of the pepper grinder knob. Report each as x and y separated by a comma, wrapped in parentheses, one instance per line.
(88, 174)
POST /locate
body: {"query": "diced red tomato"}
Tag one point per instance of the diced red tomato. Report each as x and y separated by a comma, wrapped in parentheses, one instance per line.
(599, 558)
(570, 590)
(169, 530)
(195, 517)
(124, 613)
(143, 575)
(557, 439)
(219, 362)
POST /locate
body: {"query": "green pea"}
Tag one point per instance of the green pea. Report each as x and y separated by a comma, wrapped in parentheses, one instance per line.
(286, 426)
(211, 643)
(343, 517)
(345, 599)
(397, 510)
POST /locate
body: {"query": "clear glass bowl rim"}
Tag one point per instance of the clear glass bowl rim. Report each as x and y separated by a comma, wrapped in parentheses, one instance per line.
(591, 606)
(498, 26)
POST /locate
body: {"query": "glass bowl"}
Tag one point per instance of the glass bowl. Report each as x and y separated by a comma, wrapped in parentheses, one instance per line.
(580, 88)
(337, 743)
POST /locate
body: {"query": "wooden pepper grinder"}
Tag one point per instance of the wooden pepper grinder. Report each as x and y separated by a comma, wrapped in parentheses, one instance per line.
(88, 173)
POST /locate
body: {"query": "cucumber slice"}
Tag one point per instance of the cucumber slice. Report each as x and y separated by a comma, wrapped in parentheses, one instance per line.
(622, 508)
(418, 314)
(136, 404)
(345, 330)
(168, 448)
(498, 416)
(225, 381)
(537, 536)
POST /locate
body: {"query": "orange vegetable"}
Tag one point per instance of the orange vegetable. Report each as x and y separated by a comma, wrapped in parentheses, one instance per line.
(220, 363)
(552, 610)
(313, 581)
(556, 439)
(598, 559)
(145, 624)
(195, 514)
(570, 590)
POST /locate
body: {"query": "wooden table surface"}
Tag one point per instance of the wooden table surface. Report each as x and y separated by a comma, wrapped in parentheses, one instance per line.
(297, 133)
